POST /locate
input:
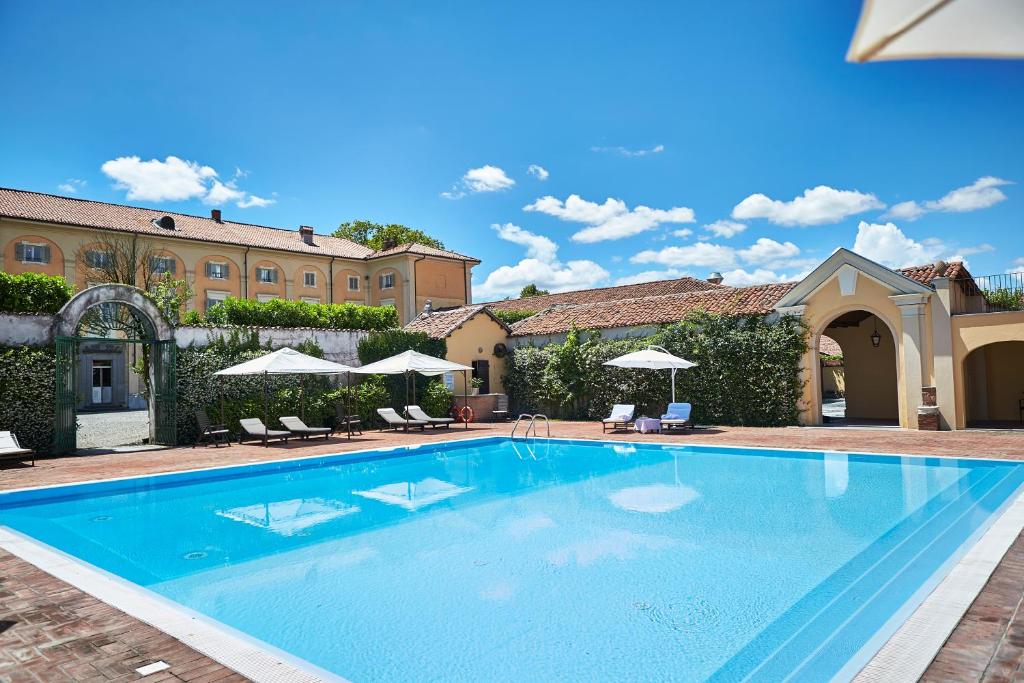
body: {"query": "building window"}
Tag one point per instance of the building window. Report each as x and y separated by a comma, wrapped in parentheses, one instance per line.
(353, 283)
(217, 271)
(214, 298)
(387, 302)
(266, 275)
(27, 252)
(162, 264)
(309, 279)
(264, 298)
(311, 299)
(387, 281)
(94, 258)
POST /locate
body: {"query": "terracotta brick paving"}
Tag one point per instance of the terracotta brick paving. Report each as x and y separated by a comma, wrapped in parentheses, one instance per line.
(50, 631)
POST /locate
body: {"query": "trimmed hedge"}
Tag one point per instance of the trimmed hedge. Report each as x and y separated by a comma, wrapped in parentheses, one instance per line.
(33, 293)
(748, 372)
(27, 401)
(284, 313)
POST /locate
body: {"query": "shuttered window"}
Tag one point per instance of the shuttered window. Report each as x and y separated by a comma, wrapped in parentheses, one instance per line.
(387, 281)
(266, 275)
(353, 283)
(162, 264)
(27, 252)
(217, 271)
(95, 258)
(309, 279)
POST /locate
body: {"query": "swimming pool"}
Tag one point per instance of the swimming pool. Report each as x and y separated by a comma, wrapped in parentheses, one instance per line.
(489, 559)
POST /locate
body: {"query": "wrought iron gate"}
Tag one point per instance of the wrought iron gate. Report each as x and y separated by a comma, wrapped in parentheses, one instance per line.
(64, 423)
(164, 389)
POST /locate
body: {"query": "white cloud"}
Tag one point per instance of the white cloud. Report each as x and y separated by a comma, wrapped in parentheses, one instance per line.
(739, 277)
(724, 228)
(699, 254)
(887, 244)
(765, 251)
(981, 194)
(538, 172)
(541, 267)
(175, 179)
(1016, 266)
(487, 178)
(626, 152)
(816, 206)
(652, 276)
(682, 232)
(609, 221)
(72, 185)
(537, 246)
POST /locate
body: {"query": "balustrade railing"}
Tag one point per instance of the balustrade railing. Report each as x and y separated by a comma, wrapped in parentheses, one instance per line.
(987, 293)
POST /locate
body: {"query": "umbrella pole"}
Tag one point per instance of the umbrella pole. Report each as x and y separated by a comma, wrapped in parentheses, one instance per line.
(406, 411)
(220, 390)
(465, 398)
(302, 397)
(266, 412)
(673, 385)
(347, 402)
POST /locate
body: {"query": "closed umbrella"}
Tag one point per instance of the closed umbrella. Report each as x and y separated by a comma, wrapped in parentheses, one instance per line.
(926, 29)
(653, 358)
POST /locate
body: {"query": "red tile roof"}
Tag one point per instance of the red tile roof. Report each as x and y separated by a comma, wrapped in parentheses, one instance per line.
(829, 346)
(925, 274)
(424, 250)
(440, 324)
(584, 296)
(35, 206)
(653, 310)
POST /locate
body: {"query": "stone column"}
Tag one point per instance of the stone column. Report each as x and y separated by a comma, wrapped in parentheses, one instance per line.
(289, 288)
(914, 361)
(942, 352)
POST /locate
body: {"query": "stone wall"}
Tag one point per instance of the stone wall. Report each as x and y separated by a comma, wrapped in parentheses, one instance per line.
(339, 346)
(26, 330)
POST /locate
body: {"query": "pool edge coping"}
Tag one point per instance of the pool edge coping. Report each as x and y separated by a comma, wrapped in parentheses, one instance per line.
(898, 659)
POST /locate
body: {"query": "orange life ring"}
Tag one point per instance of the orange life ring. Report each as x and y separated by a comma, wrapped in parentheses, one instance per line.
(466, 414)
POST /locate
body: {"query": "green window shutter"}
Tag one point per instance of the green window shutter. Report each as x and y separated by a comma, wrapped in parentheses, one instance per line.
(19, 251)
(46, 254)
(209, 273)
(225, 271)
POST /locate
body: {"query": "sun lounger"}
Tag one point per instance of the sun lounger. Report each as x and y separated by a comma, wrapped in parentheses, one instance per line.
(621, 417)
(347, 423)
(254, 428)
(677, 416)
(394, 420)
(211, 433)
(416, 413)
(10, 449)
(298, 428)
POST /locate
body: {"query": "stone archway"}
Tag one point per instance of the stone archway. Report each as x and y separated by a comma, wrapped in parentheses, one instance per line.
(157, 335)
(993, 380)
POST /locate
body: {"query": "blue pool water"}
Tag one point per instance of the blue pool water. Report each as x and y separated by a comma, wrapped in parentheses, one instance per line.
(490, 560)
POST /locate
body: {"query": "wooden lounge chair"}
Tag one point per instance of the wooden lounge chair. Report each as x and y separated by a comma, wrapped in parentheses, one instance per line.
(677, 416)
(253, 428)
(10, 449)
(501, 411)
(298, 428)
(349, 423)
(394, 420)
(621, 417)
(216, 434)
(416, 413)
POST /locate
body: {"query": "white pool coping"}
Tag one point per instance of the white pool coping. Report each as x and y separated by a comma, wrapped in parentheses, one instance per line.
(904, 656)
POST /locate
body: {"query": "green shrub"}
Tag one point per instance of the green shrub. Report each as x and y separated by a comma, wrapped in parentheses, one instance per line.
(27, 395)
(284, 313)
(436, 400)
(33, 293)
(747, 372)
(387, 343)
(1005, 299)
(510, 318)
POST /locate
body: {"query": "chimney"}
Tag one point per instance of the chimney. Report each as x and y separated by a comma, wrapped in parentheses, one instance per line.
(306, 233)
(715, 278)
(428, 307)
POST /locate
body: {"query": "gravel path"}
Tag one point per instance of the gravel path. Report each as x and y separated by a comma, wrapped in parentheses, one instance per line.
(115, 428)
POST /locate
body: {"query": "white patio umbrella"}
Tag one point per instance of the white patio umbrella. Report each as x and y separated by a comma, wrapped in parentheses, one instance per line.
(653, 358)
(411, 361)
(925, 29)
(284, 361)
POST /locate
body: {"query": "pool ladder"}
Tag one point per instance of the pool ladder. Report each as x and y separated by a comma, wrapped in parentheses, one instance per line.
(531, 425)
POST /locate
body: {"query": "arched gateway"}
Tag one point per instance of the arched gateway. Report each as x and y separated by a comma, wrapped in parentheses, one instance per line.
(122, 315)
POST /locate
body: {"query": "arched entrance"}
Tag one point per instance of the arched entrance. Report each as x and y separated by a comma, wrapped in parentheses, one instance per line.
(112, 317)
(994, 385)
(870, 382)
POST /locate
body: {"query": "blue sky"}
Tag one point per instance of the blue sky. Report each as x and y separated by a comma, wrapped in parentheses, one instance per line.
(432, 114)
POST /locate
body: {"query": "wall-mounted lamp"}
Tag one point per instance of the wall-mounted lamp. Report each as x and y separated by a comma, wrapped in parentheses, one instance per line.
(876, 338)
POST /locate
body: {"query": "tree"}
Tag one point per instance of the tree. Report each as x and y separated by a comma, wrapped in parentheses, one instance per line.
(378, 236)
(531, 290)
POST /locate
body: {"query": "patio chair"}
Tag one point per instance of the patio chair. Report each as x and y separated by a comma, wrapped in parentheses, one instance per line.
(501, 411)
(253, 428)
(394, 420)
(677, 416)
(416, 413)
(10, 449)
(349, 423)
(216, 434)
(298, 428)
(621, 417)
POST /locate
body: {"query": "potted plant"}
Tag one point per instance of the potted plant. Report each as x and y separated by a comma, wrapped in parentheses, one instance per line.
(475, 383)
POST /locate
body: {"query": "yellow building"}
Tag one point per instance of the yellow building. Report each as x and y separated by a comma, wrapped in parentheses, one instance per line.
(44, 233)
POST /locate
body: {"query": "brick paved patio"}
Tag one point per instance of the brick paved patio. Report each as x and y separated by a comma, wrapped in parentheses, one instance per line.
(50, 631)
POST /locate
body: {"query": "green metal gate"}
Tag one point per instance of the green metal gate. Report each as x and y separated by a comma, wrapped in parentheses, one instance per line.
(163, 389)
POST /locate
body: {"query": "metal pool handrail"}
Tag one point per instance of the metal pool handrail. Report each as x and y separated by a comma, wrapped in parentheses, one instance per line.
(531, 425)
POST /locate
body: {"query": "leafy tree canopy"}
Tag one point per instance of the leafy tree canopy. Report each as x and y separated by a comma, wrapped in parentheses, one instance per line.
(531, 290)
(378, 236)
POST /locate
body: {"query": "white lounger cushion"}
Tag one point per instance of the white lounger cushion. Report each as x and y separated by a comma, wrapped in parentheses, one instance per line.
(392, 417)
(417, 413)
(9, 445)
(621, 412)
